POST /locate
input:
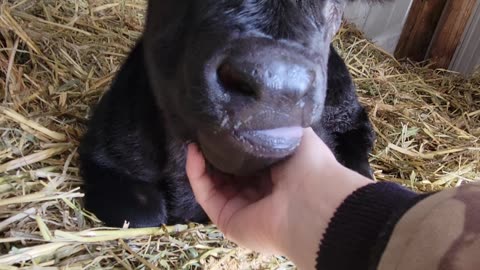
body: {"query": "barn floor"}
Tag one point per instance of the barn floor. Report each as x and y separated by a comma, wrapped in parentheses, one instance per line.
(56, 59)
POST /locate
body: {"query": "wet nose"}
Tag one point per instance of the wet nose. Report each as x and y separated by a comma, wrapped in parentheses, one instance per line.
(267, 75)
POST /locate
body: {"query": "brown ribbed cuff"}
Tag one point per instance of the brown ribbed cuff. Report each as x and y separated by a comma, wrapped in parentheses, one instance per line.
(362, 225)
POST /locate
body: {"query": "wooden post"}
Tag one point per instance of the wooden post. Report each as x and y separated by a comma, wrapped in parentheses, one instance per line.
(419, 29)
(450, 31)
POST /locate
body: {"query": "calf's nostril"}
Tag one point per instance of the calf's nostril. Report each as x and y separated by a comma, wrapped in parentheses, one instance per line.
(267, 78)
(235, 81)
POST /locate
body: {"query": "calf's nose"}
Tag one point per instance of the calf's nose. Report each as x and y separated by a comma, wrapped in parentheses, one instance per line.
(266, 76)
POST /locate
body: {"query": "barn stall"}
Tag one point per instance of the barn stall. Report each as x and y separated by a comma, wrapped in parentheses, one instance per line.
(58, 57)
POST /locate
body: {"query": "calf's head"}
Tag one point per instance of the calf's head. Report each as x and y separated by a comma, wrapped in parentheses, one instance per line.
(240, 77)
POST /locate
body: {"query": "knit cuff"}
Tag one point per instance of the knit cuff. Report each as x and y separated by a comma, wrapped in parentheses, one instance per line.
(357, 234)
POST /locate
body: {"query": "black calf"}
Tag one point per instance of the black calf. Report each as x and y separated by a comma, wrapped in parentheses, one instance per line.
(242, 79)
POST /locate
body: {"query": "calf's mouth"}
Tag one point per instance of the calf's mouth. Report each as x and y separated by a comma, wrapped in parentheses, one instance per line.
(245, 152)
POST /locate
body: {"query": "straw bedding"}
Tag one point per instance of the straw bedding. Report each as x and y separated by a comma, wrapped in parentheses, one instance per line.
(57, 57)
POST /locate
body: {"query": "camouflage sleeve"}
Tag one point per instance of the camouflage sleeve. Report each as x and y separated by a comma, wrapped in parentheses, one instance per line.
(384, 226)
(440, 232)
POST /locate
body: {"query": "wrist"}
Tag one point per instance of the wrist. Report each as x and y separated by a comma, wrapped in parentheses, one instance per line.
(310, 215)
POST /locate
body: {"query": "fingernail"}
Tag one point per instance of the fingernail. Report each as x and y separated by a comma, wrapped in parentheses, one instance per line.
(193, 147)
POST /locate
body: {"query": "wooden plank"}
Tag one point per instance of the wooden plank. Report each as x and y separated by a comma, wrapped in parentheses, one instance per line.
(450, 31)
(419, 29)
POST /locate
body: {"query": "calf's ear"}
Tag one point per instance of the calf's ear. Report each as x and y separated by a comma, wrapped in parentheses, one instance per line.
(333, 12)
(167, 21)
(164, 17)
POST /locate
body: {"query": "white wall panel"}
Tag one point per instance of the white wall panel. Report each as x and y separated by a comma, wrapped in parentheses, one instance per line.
(382, 23)
(467, 57)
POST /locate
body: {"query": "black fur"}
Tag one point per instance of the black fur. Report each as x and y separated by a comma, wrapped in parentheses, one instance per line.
(133, 155)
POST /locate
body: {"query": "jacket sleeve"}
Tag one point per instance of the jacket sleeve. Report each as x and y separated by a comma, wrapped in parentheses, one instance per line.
(384, 226)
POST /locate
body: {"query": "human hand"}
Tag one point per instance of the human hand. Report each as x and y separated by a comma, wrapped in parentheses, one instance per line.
(284, 211)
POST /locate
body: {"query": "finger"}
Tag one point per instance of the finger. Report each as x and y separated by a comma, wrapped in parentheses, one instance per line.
(233, 207)
(250, 226)
(202, 184)
(312, 149)
(312, 154)
(196, 168)
(252, 194)
(312, 144)
(266, 184)
(211, 197)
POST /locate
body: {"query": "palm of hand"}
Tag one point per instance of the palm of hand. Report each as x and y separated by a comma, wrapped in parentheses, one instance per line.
(244, 209)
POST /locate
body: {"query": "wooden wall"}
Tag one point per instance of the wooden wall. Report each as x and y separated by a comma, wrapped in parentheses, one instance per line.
(446, 31)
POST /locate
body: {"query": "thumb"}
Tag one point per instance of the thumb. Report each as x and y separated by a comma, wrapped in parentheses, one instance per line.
(202, 184)
(312, 144)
